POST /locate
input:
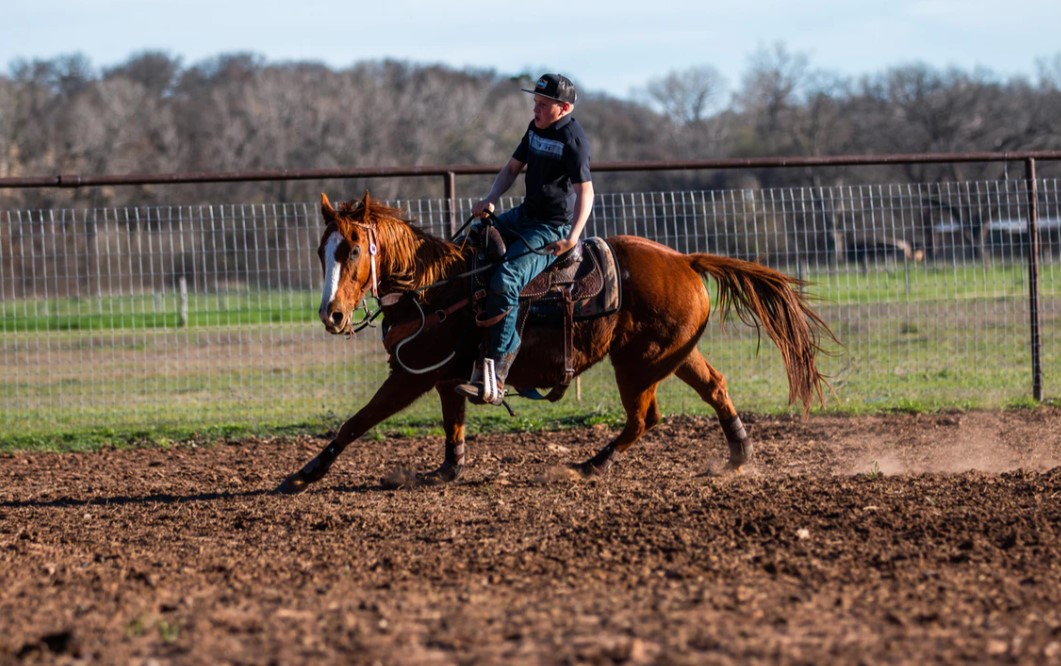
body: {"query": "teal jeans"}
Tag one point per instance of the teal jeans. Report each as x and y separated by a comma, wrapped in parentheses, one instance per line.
(519, 267)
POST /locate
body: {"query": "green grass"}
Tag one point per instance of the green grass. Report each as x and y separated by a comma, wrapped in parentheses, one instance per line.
(928, 282)
(133, 434)
(161, 311)
(915, 339)
(911, 283)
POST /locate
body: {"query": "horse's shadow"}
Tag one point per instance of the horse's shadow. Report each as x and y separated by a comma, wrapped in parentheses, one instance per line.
(171, 499)
(155, 498)
(384, 487)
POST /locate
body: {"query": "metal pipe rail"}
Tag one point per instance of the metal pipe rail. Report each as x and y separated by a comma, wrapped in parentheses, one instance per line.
(450, 172)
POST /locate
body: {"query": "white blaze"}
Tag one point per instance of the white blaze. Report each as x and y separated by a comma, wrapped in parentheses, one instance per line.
(332, 269)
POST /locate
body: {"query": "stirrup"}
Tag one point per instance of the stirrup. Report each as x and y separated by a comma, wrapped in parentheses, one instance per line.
(483, 388)
(492, 393)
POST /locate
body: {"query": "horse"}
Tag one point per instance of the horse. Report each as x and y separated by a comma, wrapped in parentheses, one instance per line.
(370, 249)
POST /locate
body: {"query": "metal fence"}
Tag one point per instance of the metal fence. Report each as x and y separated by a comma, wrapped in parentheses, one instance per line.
(206, 315)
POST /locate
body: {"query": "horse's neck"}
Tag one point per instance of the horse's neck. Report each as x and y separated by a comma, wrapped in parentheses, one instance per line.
(414, 260)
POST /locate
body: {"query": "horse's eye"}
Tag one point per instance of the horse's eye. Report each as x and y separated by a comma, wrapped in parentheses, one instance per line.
(355, 251)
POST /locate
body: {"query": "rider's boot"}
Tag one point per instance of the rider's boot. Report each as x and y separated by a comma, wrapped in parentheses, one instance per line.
(487, 384)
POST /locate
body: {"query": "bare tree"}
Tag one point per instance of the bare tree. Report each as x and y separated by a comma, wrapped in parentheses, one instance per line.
(237, 112)
(157, 71)
(772, 88)
(8, 148)
(689, 96)
(1048, 71)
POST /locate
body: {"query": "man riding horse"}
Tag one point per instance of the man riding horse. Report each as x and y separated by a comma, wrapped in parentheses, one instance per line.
(558, 201)
(648, 333)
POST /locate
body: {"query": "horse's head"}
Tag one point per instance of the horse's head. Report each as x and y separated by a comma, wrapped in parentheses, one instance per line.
(348, 255)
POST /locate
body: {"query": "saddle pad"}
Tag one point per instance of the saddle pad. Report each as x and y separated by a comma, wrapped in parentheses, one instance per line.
(594, 287)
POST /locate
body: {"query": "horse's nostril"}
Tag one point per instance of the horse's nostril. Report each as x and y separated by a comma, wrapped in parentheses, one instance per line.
(337, 318)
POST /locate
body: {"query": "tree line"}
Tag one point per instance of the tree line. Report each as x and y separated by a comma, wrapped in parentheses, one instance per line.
(153, 114)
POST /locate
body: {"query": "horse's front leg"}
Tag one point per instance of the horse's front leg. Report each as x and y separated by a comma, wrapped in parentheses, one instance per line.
(454, 407)
(398, 391)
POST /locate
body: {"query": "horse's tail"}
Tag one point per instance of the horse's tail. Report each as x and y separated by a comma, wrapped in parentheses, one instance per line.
(768, 299)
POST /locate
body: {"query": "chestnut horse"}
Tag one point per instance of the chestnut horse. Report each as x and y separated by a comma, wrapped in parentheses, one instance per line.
(367, 249)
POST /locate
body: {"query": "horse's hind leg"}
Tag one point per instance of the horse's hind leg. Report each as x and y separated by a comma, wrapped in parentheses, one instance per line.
(711, 386)
(642, 412)
(454, 407)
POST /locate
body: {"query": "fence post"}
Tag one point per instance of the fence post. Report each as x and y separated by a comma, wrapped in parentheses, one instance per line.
(183, 288)
(451, 197)
(1033, 279)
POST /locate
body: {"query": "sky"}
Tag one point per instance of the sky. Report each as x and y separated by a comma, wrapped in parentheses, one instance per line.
(614, 47)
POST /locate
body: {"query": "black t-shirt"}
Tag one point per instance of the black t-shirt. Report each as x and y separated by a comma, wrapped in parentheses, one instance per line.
(555, 157)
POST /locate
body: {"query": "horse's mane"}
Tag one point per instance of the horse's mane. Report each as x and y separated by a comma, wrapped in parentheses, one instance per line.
(410, 258)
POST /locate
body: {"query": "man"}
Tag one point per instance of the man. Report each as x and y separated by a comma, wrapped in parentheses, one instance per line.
(557, 203)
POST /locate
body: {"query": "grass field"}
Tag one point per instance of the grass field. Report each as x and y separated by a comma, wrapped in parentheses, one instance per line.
(122, 369)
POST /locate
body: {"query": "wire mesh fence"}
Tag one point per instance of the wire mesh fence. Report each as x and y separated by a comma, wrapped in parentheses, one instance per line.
(202, 316)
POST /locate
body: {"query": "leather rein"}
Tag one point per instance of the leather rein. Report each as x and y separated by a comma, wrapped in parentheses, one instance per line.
(401, 333)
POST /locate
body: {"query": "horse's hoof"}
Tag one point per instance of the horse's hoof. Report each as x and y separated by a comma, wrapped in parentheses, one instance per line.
(740, 452)
(446, 473)
(739, 458)
(292, 485)
(587, 470)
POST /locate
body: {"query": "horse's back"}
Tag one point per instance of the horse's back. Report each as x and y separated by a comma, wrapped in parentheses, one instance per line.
(659, 282)
(648, 265)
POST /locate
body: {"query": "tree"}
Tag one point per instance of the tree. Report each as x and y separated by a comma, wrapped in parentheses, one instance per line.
(688, 96)
(1048, 71)
(772, 89)
(238, 112)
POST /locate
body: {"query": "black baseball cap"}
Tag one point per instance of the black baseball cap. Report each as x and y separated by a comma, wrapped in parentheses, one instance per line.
(555, 86)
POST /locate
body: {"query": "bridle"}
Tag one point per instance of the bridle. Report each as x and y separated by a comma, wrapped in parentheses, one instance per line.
(373, 250)
(392, 298)
(370, 315)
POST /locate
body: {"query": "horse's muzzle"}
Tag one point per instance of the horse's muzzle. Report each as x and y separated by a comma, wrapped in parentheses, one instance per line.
(334, 321)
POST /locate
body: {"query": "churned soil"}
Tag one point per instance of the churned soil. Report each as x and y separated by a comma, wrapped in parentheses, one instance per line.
(885, 539)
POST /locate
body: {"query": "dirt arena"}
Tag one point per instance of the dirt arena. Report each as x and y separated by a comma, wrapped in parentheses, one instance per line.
(893, 539)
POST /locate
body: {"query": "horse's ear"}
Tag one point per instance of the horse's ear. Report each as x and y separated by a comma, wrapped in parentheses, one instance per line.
(364, 203)
(326, 209)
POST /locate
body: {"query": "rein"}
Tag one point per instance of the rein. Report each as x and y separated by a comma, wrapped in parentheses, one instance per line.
(370, 316)
(491, 218)
(438, 316)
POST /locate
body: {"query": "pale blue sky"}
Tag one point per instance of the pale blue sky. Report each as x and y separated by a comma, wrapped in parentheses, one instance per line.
(614, 46)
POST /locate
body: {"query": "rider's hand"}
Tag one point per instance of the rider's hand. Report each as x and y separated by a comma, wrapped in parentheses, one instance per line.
(560, 246)
(482, 208)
